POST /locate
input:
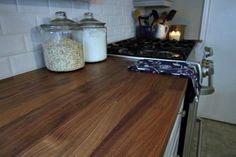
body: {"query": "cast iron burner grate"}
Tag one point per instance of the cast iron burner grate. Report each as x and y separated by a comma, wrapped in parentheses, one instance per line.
(163, 49)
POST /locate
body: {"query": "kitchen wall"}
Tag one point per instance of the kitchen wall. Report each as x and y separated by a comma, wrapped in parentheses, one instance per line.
(118, 17)
(20, 49)
(190, 14)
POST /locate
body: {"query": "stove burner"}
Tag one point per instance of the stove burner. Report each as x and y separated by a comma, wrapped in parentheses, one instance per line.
(163, 49)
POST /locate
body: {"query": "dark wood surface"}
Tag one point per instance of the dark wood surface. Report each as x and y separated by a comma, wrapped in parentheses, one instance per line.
(101, 110)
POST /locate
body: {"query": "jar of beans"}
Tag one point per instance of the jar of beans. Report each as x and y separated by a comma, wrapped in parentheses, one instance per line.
(61, 47)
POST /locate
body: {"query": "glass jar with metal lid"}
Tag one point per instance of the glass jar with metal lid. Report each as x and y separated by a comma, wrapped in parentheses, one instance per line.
(94, 38)
(62, 50)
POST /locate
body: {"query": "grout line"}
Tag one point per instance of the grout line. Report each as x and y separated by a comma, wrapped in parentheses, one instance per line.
(26, 43)
(18, 6)
(49, 7)
(12, 67)
(1, 30)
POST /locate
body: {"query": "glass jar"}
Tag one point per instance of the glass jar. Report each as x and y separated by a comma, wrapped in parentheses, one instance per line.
(62, 51)
(94, 38)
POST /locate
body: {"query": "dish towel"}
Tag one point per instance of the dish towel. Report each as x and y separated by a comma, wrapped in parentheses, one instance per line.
(170, 68)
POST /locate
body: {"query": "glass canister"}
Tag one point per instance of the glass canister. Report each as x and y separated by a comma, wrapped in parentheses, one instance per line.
(62, 51)
(94, 38)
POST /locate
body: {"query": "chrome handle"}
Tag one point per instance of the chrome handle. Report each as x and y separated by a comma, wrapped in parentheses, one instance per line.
(207, 90)
(207, 67)
(207, 71)
(208, 51)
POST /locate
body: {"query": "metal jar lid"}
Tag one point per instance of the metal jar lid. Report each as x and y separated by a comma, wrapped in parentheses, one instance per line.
(61, 23)
(90, 21)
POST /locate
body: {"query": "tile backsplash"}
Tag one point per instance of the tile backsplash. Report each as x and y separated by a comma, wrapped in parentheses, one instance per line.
(20, 49)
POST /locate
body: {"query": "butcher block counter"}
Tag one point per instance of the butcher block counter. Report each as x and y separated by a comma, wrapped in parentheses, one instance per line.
(102, 110)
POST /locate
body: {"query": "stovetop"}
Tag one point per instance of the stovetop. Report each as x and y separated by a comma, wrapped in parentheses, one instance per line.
(161, 49)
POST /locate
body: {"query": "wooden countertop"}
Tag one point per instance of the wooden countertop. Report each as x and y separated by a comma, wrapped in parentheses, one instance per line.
(101, 110)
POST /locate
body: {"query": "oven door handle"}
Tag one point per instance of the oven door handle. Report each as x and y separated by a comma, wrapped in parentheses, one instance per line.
(208, 71)
(207, 90)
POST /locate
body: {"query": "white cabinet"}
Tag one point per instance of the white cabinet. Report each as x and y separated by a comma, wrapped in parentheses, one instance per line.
(172, 145)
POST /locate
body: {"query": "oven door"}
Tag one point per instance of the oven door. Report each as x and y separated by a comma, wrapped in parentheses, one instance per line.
(191, 121)
(188, 122)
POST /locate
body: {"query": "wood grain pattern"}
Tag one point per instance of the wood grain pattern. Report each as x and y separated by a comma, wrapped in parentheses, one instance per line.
(101, 110)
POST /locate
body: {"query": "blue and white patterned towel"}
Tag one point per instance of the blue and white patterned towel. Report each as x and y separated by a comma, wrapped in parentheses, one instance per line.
(169, 68)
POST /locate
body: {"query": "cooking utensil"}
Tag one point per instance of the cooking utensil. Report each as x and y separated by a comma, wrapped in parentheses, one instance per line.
(162, 17)
(155, 16)
(136, 14)
(150, 19)
(170, 16)
(144, 19)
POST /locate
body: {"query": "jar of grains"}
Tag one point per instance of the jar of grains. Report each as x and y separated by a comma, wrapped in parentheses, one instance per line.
(62, 52)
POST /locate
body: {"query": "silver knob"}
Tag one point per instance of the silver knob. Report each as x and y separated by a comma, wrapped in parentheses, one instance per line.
(207, 71)
(208, 51)
(207, 67)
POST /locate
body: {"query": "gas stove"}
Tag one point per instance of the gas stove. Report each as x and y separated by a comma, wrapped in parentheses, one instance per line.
(152, 49)
(166, 50)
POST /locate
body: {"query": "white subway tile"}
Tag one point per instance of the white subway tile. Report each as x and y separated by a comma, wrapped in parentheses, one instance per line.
(33, 41)
(107, 11)
(127, 11)
(120, 20)
(112, 20)
(8, 6)
(77, 16)
(32, 6)
(109, 31)
(18, 23)
(42, 19)
(39, 59)
(5, 68)
(96, 9)
(116, 14)
(12, 44)
(79, 5)
(117, 11)
(26, 62)
(111, 39)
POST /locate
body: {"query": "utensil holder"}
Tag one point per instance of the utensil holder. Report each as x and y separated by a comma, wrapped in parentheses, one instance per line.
(146, 32)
